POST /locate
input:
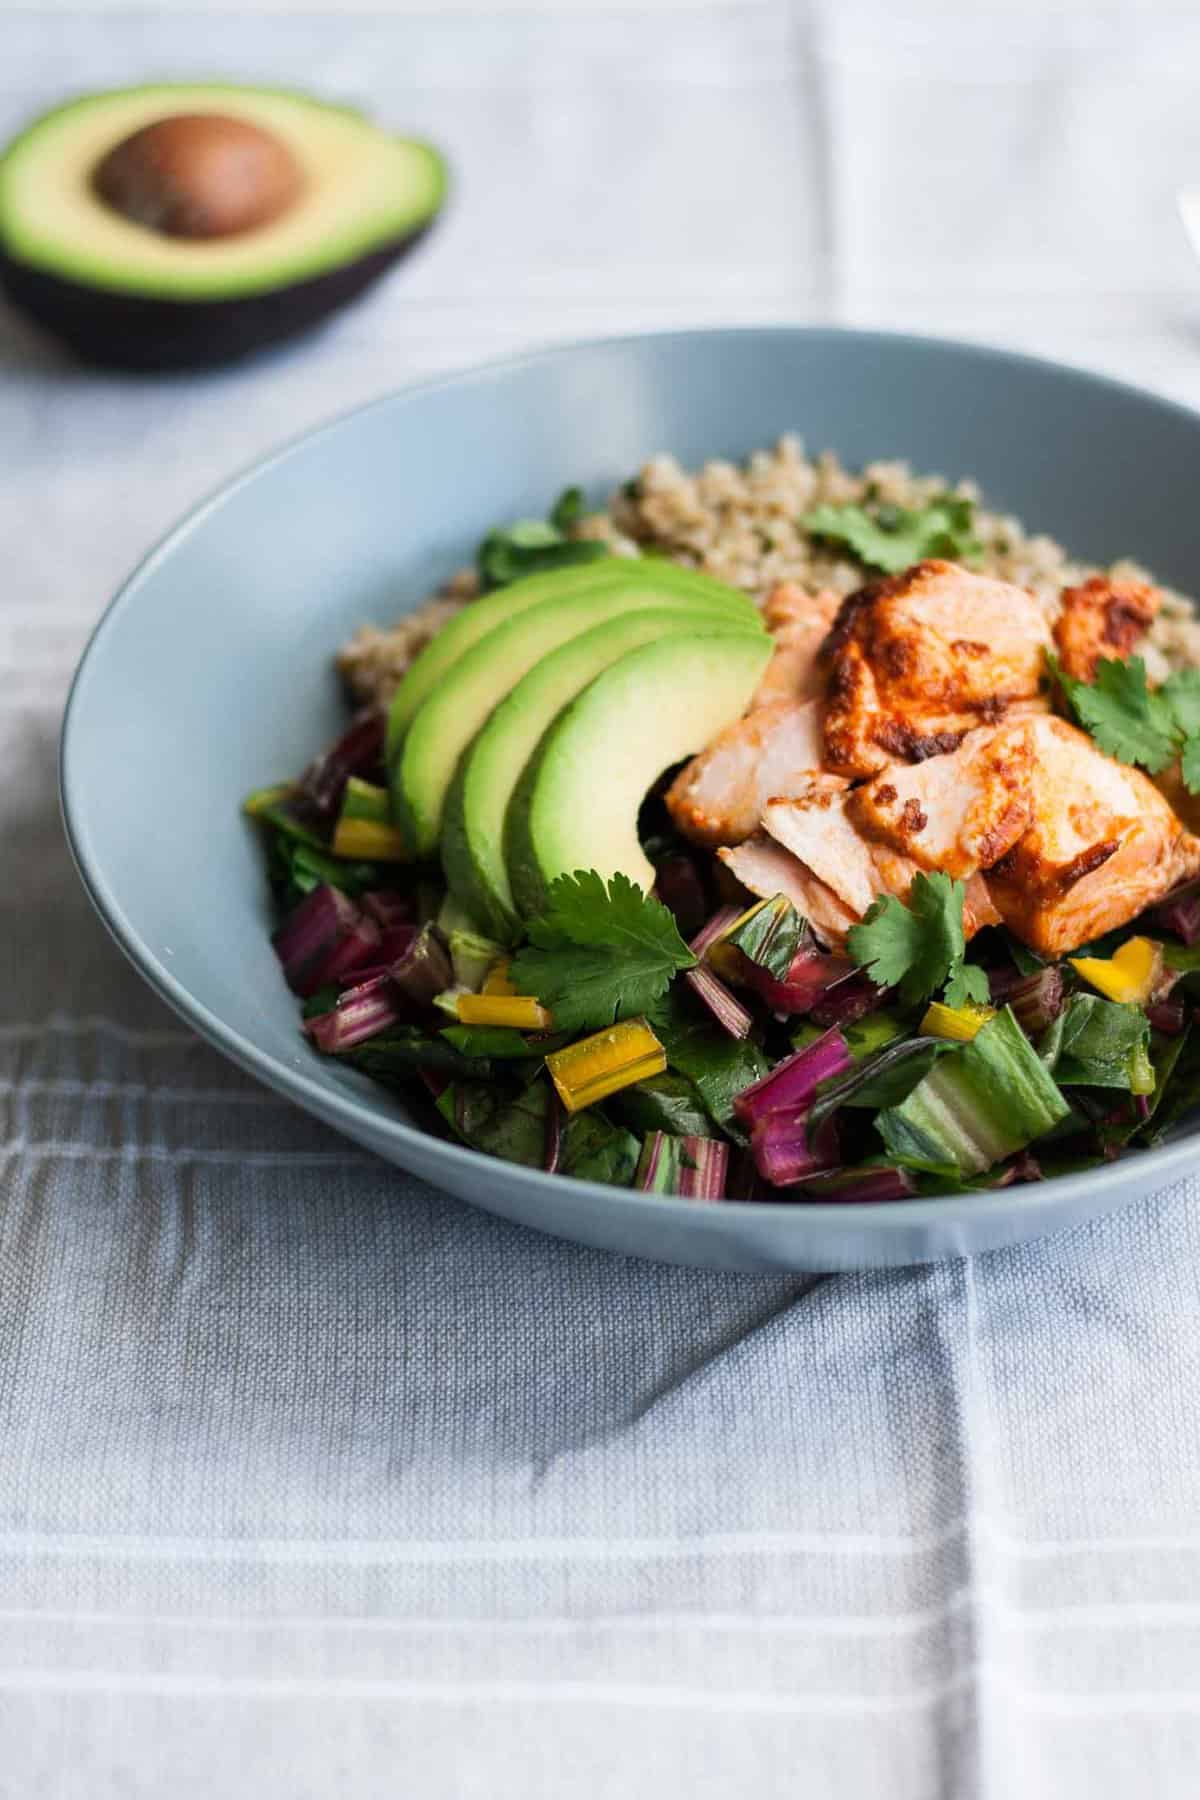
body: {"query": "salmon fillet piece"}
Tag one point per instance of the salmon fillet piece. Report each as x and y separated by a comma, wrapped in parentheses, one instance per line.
(917, 660)
(957, 813)
(1102, 618)
(799, 622)
(718, 797)
(1103, 844)
(766, 869)
(820, 832)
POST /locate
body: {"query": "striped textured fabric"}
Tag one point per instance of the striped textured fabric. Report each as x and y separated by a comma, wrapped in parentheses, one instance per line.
(314, 1481)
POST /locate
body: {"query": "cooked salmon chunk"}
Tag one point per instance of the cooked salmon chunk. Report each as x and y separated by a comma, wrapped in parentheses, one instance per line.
(799, 622)
(718, 797)
(1102, 618)
(1102, 845)
(959, 812)
(916, 660)
(766, 868)
(820, 832)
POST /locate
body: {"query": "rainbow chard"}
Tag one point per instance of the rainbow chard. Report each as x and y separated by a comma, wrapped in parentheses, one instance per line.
(1036, 1000)
(361, 1013)
(325, 939)
(785, 1150)
(1180, 913)
(358, 751)
(791, 1084)
(423, 970)
(868, 1184)
(692, 1167)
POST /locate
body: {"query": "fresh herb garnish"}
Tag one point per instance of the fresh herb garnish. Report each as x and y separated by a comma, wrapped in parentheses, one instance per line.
(532, 546)
(598, 952)
(920, 947)
(1134, 722)
(892, 538)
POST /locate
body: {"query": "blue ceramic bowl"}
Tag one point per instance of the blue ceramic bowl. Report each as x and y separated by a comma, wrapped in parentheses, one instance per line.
(210, 674)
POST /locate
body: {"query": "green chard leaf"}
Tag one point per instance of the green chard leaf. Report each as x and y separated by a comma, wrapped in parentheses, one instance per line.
(499, 1042)
(918, 948)
(395, 1056)
(598, 952)
(883, 1080)
(1178, 1090)
(667, 1102)
(892, 538)
(490, 1119)
(719, 1066)
(594, 1149)
(976, 1105)
(1100, 1043)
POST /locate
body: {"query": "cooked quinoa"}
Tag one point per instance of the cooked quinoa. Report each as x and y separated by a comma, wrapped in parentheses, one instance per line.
(740, 523)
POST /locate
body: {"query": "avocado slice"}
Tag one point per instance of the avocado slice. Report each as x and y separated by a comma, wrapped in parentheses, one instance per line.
(456, 637)
(423, 767)
(178, 262)
(576, 806)
(477, 803)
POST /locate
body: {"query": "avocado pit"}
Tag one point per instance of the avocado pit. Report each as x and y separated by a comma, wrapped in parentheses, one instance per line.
(199, 176)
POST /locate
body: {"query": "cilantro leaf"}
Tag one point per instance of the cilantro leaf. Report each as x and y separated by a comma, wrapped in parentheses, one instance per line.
(567, 509)
(892, 538)
(531, 546)
(919, 947)
(1181, 691)
(968, 984)
(1189, 765)
(599, 953)
(1127, 718)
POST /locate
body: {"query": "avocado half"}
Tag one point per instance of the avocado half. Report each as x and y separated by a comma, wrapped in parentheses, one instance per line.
(126, 293)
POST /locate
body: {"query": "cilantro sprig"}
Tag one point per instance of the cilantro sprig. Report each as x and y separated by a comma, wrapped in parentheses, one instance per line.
(531, 546)
(892, 538)
(599, 952)
(920, 947)
(1135, 722)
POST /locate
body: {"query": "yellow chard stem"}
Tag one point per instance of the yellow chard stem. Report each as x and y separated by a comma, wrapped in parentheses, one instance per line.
(522, 1011)
(600, 1065)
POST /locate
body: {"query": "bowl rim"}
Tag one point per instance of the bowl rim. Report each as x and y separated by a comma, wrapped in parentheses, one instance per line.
(1157, 1165)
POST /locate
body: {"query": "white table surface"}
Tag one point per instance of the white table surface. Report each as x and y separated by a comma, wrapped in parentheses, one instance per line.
(314, 1482)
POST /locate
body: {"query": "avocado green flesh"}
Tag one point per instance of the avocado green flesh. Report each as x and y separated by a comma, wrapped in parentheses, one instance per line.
(424, 767)
(478, 800)
(577, 805)
(463, 631)
(363, 190)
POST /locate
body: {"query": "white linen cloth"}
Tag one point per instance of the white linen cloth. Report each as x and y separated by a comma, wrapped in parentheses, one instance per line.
(314, 1481)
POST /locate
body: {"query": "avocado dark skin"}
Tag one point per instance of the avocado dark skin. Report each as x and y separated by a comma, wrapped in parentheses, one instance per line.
(207, 173)
(125, 331)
